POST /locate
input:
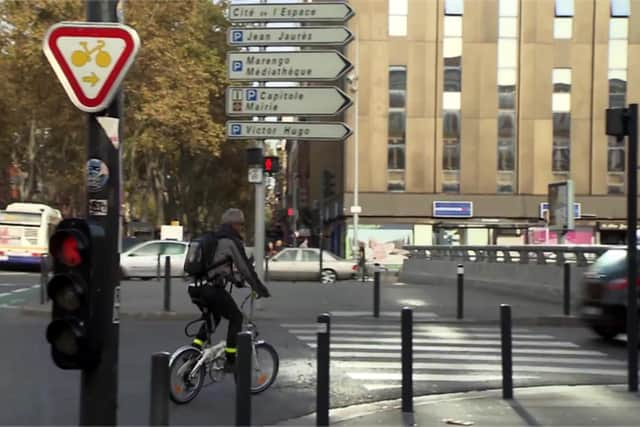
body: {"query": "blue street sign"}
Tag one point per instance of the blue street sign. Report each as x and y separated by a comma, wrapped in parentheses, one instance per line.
(252, 95)
(577, 209)
(237, 66)
(237, 35)
(444, 209)
(236, 130)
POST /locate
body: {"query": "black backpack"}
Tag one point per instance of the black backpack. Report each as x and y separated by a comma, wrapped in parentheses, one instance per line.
(199, 259)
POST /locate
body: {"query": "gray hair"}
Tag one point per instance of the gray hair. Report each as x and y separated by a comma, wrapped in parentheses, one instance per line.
(232, 216)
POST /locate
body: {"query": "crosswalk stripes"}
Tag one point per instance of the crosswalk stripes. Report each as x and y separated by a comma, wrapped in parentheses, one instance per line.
(370, 353)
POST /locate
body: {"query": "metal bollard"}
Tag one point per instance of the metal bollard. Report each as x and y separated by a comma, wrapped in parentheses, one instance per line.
(376, 294)
(322, 380)
(506, 344)
(407, 360)
(266, 268)
(567, 289)
(460, 314)
(159, 408)
(243, 383)
(44, 278)
(167, 283)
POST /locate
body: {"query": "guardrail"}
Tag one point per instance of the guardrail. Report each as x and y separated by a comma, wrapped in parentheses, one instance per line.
(523, 254)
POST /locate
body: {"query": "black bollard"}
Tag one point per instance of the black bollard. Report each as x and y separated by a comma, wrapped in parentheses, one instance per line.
(567, 289)
(44, 278)
(460, 313)
(243, 383)
(506, 344)
(407, 360)
(159, 408)
(167, 283)
(376, 294)
(322, 380)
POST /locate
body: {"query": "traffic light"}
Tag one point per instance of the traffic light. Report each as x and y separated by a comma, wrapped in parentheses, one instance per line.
(328, 184)
(272, 165)
(73, 345)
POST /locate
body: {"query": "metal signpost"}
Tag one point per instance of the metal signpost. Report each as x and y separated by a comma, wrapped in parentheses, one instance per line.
(561, 208)
(91, 59)
(290, 66)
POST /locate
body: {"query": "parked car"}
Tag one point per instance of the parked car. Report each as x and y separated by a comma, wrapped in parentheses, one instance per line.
(604, 302)
(142, 260)
(298, 264)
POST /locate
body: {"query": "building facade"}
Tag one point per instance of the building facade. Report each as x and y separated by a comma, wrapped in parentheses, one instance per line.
(484, 102)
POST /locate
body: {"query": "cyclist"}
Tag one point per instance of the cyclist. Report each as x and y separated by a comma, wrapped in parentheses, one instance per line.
(219, 302)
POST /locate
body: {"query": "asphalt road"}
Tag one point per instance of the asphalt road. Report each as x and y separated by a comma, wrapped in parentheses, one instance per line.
(448, 357)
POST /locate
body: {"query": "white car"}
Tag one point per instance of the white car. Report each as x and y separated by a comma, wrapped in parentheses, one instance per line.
(299, 264)
(142, 260)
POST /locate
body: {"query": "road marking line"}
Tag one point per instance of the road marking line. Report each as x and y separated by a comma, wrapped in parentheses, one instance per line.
(5, 294)
(345, 355)
(434, 334)
(17, 291)
(460, 349)
(481, 367)
(532, 343)
(396, 327)
(417, 315)
(391, 376)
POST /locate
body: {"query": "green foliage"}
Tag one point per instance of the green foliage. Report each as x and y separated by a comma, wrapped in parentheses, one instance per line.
(177, 162)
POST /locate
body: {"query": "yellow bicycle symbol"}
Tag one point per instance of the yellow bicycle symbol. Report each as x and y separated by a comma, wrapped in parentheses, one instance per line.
(80, 58)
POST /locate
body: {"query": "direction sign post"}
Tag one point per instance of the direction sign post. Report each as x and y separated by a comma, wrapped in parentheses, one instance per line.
(291, 12)
(310, 65)
(286, 101)
(295, 36)
(309, 131)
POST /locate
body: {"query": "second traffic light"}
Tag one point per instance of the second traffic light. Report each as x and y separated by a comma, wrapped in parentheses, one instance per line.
(71, 333)
(272, 165)
(328, 184)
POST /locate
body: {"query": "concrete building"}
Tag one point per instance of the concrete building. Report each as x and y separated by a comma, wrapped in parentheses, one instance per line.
(485, 102)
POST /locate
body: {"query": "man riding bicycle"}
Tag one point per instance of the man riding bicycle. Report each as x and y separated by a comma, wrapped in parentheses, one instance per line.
(230, 246)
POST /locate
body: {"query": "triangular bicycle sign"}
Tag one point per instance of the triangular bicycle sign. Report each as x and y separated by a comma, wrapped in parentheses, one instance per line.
(91, 59)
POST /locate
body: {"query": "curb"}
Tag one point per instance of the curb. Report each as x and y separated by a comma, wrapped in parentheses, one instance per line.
(344, 414)
(566, 321)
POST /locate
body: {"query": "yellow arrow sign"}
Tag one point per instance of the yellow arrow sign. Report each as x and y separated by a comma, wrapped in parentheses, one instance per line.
(93, 79)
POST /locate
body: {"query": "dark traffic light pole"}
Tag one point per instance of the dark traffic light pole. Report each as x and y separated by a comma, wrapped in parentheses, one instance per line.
(99, 386)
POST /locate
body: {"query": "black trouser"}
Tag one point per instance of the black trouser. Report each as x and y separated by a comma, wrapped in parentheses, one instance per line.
(221, 303)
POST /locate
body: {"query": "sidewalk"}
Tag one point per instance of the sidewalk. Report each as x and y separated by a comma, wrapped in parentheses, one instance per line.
(536, 406)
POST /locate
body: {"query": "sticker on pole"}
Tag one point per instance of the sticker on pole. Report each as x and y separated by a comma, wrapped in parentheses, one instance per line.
(91, 59)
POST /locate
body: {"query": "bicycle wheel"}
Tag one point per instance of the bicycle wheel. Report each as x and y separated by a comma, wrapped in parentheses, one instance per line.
(182, 388)
(264, 367)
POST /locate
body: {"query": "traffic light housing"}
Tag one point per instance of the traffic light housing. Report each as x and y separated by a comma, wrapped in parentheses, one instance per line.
(74, 343)
(272, 165)
(328, 184)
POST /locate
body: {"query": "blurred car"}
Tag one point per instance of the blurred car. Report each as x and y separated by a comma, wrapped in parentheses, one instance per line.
(604, 299)
(141, 260)
(298, 264)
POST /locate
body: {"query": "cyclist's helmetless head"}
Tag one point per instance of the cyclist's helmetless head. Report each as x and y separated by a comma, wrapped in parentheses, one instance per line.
(235, 218)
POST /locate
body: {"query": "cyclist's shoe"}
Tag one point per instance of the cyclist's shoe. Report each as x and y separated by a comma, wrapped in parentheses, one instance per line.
(229, 366)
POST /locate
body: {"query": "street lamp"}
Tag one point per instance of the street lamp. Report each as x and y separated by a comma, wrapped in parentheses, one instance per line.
(352, 79)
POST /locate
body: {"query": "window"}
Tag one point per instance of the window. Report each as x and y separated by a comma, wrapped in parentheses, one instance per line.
(620, 9)
(563, 22)
(454, 7)
(507, 87)
(398, 11)
(452, 95)
(309, 256)
(397, 128)
(173, 249)
(561, 104)
(147, 250)
(617, 82)
(287, 255)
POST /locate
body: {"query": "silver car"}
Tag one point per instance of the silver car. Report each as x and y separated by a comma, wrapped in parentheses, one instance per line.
(298, 264)
(142, 260)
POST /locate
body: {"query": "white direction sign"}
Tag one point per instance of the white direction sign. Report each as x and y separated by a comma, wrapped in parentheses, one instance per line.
(286, 101)
(288, 66)
(297, 36)
(288, 12)
(309, 131)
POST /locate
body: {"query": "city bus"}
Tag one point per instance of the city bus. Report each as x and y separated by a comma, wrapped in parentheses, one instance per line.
(25, 229)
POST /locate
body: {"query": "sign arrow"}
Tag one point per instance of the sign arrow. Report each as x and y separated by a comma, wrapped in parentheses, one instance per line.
(288, 12)
(306, 131)
(287, 66)
(296, 36)
(286, 101)
(93, 79)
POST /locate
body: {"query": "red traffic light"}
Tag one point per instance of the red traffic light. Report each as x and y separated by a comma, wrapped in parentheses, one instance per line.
(66, 248)
(268, 164)
(290, 212)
